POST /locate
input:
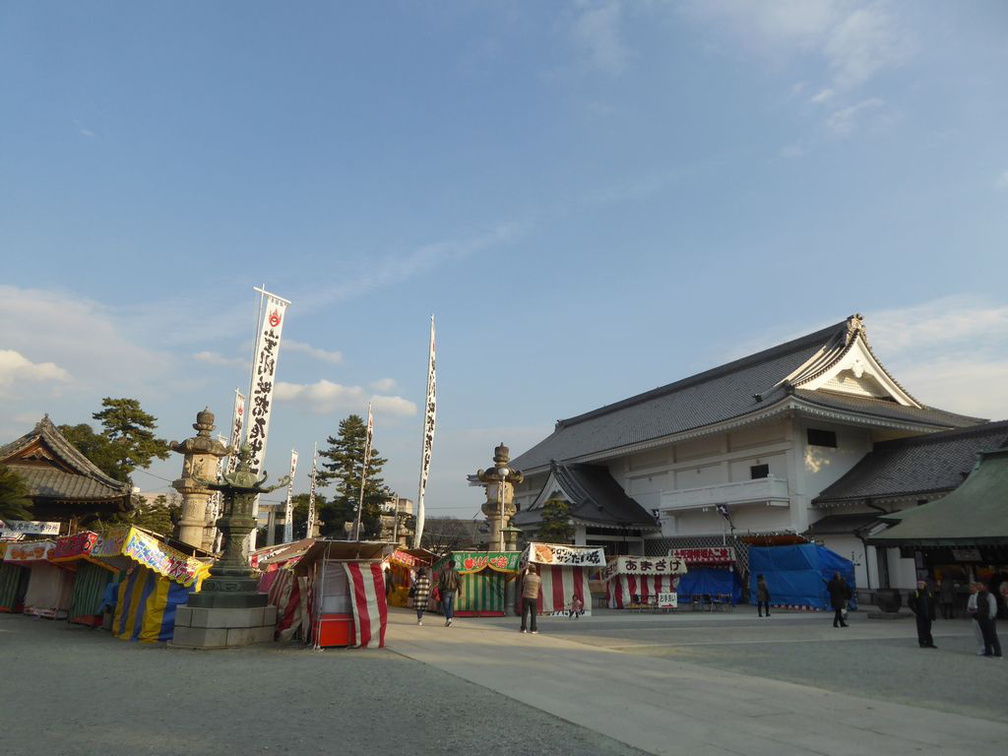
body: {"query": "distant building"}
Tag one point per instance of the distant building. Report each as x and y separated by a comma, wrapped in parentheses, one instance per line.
(397, 521)
(751, 452)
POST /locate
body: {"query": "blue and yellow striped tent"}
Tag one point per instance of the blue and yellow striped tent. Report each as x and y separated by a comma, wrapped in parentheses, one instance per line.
(145, 610)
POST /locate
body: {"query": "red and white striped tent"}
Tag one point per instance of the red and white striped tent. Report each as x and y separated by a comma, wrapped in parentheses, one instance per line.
(565, 572)
(346, 593)
(645, 578)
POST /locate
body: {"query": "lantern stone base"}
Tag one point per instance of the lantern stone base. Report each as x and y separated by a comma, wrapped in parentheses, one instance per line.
(223, 627)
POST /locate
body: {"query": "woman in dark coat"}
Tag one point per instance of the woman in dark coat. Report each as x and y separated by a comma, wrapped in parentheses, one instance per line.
(839, 593)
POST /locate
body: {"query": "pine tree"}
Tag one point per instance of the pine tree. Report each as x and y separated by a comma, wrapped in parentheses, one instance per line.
(556, 525)
(342, 465)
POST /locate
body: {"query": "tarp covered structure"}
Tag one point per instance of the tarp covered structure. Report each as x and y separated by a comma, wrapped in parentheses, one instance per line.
(90, 576)
(637, 579)
(797, 575)
(345, 584)
(158, 579)
(483, 577)
(565, 571)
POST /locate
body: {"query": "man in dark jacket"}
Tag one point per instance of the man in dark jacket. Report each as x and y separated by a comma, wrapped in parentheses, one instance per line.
(449, 585)
(922, 603)
(838, 594)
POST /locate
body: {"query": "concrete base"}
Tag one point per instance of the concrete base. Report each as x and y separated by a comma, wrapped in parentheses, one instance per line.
(199, 627)
(889, 615)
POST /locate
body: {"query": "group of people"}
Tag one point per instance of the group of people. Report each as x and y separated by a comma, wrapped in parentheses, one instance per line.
(448, 587)
(981, 607)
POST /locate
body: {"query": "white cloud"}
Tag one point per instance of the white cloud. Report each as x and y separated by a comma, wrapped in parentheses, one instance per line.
(845, 121)
(597, 32)
(219, 360)
(384, 384)
(325, 397)
(319, 354)
(1002, 181)
(15, 368)
(864, 42)
(793, 151)
(823, 96)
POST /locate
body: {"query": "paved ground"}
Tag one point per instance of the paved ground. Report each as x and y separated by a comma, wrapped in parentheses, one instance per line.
(609, 684)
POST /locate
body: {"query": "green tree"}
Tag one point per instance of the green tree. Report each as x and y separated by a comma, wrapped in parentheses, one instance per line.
(160, 515)
(15, 498)
(126, 442)
(556, 526)
(342, 464)
(300, 502)
(444, 534)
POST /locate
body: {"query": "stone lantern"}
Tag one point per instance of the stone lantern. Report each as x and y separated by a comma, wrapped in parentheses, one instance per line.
(200, 455)
(499, 507)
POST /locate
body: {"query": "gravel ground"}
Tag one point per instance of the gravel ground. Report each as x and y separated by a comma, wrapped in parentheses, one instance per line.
(73, 691)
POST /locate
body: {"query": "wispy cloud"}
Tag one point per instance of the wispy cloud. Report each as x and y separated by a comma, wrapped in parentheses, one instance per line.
(844, 121)
(598, 35)
(1002, 181)
(384, 385)
(219, 360)
(325, 397)
(16, 368)
(319, 354)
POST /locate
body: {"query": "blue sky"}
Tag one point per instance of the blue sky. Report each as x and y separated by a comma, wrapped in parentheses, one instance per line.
(593, 199)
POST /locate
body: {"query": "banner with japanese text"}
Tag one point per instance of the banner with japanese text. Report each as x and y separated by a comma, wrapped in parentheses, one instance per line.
(428, 439)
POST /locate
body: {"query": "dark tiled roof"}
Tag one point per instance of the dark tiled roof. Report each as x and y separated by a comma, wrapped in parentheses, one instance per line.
(934, 463)
(53, 468)
(974, 513)
(843, 524)
(595, 498)
(718, 395)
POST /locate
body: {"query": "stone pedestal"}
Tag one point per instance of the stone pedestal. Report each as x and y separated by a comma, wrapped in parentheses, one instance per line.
(223, 627)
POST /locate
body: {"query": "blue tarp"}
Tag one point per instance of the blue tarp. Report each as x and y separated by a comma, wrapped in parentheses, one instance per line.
(797, 575)
(709, 581)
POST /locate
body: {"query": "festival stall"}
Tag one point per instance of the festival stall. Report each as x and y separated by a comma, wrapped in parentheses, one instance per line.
(90, 576)
(797, 575)
(633, 581)
(158, 578)
(565, 571)
(345, 586)
(711, 579)
(483, 577)
(49, 587)
(401, 566)
(14, 577)
(286, 591)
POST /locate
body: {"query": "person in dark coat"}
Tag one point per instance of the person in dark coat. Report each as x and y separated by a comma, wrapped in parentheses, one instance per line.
(922, 603)
(421, 593)
(839, 593)
(449, 585)
(762, 596)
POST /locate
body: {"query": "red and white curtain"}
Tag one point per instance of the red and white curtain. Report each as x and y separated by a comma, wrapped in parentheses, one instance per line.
(560, 585)
(621, 588)
(367, 600)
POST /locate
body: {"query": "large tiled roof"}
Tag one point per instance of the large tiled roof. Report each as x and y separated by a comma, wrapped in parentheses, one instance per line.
(53, 468)
(750, 386)
(973, 514)
(595, 499)
(935, 463)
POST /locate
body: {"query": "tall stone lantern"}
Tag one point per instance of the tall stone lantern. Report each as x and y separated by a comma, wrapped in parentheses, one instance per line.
(499, 482)
(200, 454)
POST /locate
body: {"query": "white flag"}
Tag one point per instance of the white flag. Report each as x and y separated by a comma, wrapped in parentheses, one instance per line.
(288, 534)
(428, 439)
(367, 458)
(311, 494)
(270, 324)
(237, 425)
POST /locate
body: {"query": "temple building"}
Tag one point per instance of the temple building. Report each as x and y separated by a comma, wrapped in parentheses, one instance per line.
(65, 486)
(756, 451)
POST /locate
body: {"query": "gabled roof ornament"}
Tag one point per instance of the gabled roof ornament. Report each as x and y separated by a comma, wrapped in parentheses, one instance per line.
(855, 326)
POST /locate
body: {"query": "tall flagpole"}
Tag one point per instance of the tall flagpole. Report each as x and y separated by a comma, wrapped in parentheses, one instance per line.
(310, 525)
(428, 439)
(288, 534)
(367, 457)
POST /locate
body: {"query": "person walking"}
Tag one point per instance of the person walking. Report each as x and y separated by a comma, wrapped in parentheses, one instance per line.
(971, 612)
(421, 593)
(922, 603)
(449, 585)
(946, 597)
(762, 596)
(838, 593)
(987, 619)
(531, 584)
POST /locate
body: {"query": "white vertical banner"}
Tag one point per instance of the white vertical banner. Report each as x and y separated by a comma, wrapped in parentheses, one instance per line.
(311, 494)
(270, 326)
(237, 425)
(367, 458)
(288, 534)
(428, 439)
